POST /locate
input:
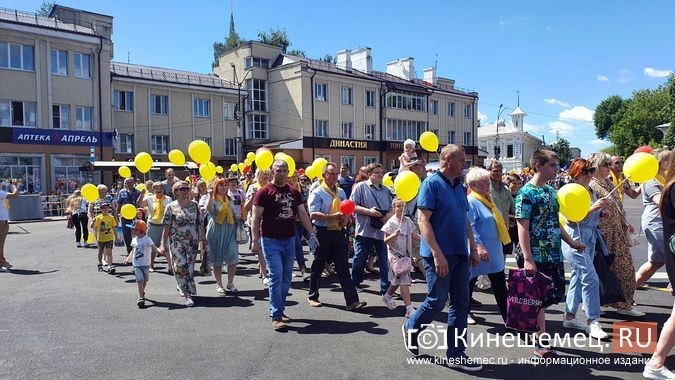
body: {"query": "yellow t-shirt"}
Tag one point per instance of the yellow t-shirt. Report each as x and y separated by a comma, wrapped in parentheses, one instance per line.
(105, 224)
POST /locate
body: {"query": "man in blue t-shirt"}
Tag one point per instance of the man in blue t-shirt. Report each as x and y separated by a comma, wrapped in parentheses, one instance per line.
(447, 249)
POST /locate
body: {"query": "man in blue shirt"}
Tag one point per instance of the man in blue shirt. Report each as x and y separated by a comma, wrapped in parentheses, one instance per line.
(128, 195)
(448, 248)
(345, 181)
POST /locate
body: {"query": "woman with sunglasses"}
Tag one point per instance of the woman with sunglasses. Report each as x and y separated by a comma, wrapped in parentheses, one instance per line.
(584, 283)
(182, 223)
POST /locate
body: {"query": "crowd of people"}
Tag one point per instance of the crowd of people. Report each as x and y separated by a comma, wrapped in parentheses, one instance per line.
(460, 226)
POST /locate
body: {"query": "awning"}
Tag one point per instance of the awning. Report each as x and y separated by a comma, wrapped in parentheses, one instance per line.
(113, 165)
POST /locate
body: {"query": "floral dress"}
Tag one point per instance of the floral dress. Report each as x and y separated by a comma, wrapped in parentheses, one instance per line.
(183, 223)
(614, 227)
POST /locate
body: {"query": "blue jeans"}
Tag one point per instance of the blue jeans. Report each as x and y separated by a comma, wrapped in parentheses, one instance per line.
(362, 248)
(584, 283)
(279, 255)
(454, 286)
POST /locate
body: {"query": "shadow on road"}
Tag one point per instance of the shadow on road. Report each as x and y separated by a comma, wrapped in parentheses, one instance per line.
(336, 327)
(26, 272)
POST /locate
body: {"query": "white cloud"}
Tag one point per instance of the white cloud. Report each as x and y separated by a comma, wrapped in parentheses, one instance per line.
(624, 76)
(580, 113)
(502, 23)
(563, 129)
(654, 73)
(483, 118)
(602, 78)
(599, 142)
(556, 101)
(531, 127)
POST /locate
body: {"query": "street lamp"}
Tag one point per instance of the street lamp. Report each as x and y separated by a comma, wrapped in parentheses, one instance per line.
(240, 114)
(497, 148)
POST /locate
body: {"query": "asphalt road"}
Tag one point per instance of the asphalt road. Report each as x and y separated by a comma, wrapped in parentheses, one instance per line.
(63, 319)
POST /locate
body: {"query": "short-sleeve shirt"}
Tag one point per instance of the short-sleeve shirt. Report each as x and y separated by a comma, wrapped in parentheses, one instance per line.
(97, 203)
(346, 184)
(105, 224)
(501, 195)
(402, 244)
(367, 195)
(142, 250)
(320, 201)
(651, 216)
(281, 205)
(540, 206)
(4, 213)
(449, 206)
(237, 197)
(152, 205)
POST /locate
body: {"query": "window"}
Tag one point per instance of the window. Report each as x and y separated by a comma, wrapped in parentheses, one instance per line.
(468, 111)
(400, 130)
(451, 109)
(60, 117)
(257, 92)
(67, 176)
(451, 137)
(509, 150)
(467, 138)
(326, 156)
(347, 130)
(202, 107)
(346, 95)
(159, 104)
(321, 128)
(26, 169)
(256, 62)
(123, 100)
(433, 107)
(15, 56)
(205, 139)
(59, 62)
(159, 144)
(83, 118)
(406, 101)
(349, 160)
(22, 114)
(125, 143)
(370, 99)
(228, 111)
(367, 160)
(82, 67)
(256, 126)
(369, 132)
(321, 92)
(231, 147)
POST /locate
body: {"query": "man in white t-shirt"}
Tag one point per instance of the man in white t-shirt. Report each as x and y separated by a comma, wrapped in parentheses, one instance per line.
(4, 222)
(142, 247)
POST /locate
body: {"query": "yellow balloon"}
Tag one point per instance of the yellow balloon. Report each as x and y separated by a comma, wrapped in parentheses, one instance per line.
(641, 167)
(574, 201)
(124, 171)
(250, 156)
(89, 192)
(387, 181)
(562, 220)
(219, 169)
(199, 151)
(177, 157)
(248, 162)
(279, 155)
(90, 238)
(291, 164)
(140, 187)
(406, 185)
(128, 211)
(319, 163)
(309, 172)
(241, 167)
(429, 141)
(264, 159)
(143, 162)
(234, 168)
(205, 172)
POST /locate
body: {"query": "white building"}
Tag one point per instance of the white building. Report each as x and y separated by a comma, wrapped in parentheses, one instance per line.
(515, 146)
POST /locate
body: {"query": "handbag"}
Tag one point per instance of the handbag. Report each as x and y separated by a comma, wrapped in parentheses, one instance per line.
(632, 239)
(376, 223)
(525, 298)
(402, 264)
(242, 234)
(70, 224)
(610, 287)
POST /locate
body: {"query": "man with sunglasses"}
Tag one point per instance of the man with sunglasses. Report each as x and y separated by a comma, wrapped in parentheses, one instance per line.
(616, 174)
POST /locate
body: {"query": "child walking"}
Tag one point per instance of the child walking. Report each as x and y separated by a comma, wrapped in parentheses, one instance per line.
(104, 224)
(142, 248)
(399, 232)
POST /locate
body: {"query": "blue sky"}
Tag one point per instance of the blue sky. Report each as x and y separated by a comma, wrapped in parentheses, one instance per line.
(563, 56)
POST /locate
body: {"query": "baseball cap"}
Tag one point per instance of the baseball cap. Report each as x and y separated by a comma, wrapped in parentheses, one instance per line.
(138, 225)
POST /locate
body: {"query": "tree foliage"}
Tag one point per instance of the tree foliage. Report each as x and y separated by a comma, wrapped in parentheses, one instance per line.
(275, 37)
(607, 113)
(297, 53)
(45, 8)
(328, 58)
(562, 147)
(231, 41)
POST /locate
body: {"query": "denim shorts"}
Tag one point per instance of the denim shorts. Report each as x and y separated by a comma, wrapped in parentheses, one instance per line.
(142, 273)
(105, 244)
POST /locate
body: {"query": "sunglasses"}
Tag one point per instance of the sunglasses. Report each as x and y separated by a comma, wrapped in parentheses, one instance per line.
(588, 171)
(184, 189)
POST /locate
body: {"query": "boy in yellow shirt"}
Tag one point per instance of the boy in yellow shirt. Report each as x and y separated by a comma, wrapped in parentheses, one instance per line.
(104, 224)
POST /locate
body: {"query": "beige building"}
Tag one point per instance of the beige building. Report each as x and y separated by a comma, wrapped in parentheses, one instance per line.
(346, 112)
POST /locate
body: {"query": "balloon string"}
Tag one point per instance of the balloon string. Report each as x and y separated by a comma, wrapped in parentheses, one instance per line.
(616, 187)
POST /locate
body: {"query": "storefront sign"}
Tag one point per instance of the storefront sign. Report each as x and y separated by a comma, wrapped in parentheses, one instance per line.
(322, 142)
(57, 137)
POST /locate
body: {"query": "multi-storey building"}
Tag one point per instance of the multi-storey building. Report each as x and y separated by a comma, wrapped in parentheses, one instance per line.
(346, 112)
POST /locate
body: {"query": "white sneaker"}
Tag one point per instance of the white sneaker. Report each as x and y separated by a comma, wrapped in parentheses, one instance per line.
(630, 312)
(78, 244)
(386, 298)
(409, 311)
(575, 324)
(595, 330)
(266, 281)
(470, 320)
(661, 373)
(4, 269)
(189, 302)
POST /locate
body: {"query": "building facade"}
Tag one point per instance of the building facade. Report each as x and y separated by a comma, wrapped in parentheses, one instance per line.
(345, 112)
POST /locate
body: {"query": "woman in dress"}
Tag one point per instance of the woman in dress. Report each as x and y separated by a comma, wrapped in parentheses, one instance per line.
(181, 222)
(614, 226)
(584, 283)
(156, 203)
(262, 178)
(77, 207)
(221, 233)
(490, 233)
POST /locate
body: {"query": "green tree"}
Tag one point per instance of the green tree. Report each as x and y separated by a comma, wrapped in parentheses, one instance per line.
(329, 58)
(275, 37)
(562, 147)
(45, 8)
(669, 138)
(297, 53)
(607, 113)
(231, 41)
